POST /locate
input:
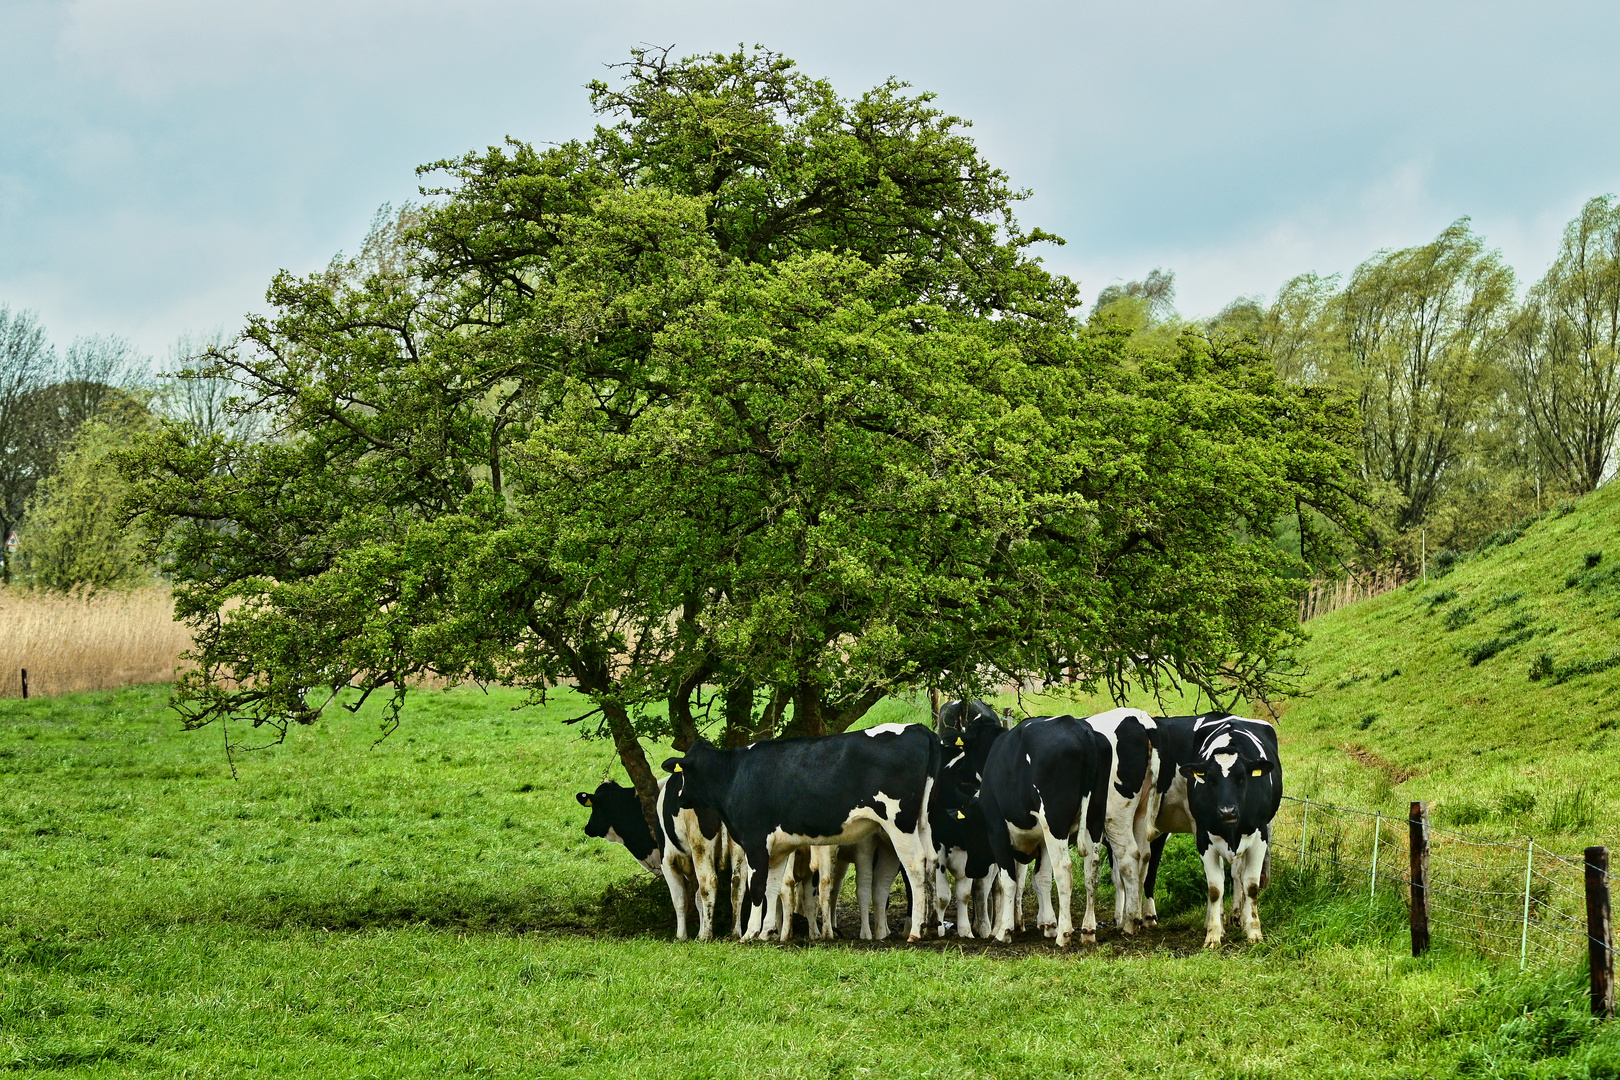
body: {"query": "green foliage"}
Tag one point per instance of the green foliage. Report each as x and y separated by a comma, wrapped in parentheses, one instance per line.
(758, 388)
(1572, 811)
(74, 535)
(1444, 596)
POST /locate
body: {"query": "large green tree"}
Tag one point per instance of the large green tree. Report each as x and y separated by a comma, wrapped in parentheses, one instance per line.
(759, 389)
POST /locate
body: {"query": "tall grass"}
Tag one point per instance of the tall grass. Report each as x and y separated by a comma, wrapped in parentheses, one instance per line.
(73, 643)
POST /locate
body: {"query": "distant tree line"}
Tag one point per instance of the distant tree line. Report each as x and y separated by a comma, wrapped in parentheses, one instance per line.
(62, 414)
(1476, 408)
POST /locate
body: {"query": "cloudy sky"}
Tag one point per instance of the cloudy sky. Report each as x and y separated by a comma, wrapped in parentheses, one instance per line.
(159, 161)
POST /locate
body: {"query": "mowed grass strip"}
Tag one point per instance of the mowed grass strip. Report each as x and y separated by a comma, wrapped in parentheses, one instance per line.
(430, 906)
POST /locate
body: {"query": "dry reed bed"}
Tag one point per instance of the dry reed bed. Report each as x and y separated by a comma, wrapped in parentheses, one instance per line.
(70, 643)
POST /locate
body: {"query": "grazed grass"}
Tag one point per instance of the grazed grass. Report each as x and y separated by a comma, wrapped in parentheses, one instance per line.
(71, 643)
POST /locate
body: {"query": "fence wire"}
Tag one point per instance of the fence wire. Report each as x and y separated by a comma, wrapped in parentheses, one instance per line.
(1518, 901)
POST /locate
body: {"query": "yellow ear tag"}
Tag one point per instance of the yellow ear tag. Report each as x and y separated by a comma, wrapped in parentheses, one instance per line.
(961, 816)
(588, 801)
(677, 768)
(1257, 772)
(959, 740)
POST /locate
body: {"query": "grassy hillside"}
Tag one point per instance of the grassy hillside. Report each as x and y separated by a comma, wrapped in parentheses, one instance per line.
(1492, 690)
(431, 907)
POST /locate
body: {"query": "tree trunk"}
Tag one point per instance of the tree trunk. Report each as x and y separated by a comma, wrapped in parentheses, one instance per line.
(635, 762)
(846, 713)
(806, 711)
(739, 709)
(773, 713)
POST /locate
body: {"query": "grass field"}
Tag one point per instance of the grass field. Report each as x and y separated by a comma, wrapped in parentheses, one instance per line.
(431, 907)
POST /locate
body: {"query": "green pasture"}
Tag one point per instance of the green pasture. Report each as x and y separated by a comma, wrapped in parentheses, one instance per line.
(430, 907)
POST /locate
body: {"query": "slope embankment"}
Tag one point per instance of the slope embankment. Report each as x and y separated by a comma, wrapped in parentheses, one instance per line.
(1492, 689)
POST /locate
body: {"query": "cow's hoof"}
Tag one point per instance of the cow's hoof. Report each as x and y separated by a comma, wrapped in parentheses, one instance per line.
(912, 938)
(1063, 942)
(1212, 941)
(1255, 937)
(1129, 929)
(1088, 938)
(1150, 923)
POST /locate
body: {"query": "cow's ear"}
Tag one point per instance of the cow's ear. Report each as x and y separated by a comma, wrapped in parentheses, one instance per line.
(584, 799)
(1259, 768)
(672, 765)
(1193, 771)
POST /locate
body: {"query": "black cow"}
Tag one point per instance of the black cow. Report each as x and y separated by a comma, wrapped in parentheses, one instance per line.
(1220, 779)
(616, 816)
(1045, 781)
(779, 795)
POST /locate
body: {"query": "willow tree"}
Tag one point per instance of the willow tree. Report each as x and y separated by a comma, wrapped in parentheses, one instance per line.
(1564, 351)
(757, 389)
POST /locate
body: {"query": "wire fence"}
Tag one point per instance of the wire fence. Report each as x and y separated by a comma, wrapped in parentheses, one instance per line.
(1515, 900)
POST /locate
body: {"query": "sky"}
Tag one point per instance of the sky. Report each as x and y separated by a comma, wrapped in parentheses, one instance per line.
(159, 162)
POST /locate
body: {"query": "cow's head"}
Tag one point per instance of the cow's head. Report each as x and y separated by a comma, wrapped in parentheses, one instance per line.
(966, 751)
(1229, 787)
(616, 816)
(705, 774)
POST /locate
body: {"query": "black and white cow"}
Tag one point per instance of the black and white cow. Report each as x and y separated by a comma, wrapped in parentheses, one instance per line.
(1044, 781)
(779, 795)
(616, 817)
(1133, 806)
(1220, 779)
(690, 848)
(961, 841)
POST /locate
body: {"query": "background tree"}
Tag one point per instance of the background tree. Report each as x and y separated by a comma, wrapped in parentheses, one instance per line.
(1564, 351)
(1423, 331)
(27, 364)
(75, 535)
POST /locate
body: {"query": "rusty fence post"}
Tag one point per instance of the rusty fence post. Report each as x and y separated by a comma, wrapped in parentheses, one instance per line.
(1599, 932)
(1419, 846)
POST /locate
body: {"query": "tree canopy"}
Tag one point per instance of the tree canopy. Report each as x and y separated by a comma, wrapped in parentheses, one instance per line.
(758, 389)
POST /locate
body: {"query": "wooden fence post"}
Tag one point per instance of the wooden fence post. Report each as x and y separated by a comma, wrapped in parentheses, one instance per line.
(25, 683)
(1599, 932)
(1419, 846)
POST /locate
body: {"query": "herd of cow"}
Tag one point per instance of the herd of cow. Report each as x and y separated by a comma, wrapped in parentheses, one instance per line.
(964, 812)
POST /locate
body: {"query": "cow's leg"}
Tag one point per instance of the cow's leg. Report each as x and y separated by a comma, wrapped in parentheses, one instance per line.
(739, 890)
(915, 859)
(1125, 866)
(1150, 911)
(708, 883)
(964, 893)
(824, 857)
(865, 875)
(845, 855)
(1022, 879)
(1091, 865)
(942, 891)
(983, 901)
(677, 892)
(1057, 864)
(885, 868)
(1247, 870)
(1215, 878)
(759, 894)
(1045, 920)
(1010, 891)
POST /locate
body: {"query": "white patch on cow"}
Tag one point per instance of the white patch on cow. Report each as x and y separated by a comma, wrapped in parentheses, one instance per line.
(1215, 742)
(1258, 748)
(861, 822)
(1027, 761)
(955, 759)
(1226, 761)
(887, 729)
